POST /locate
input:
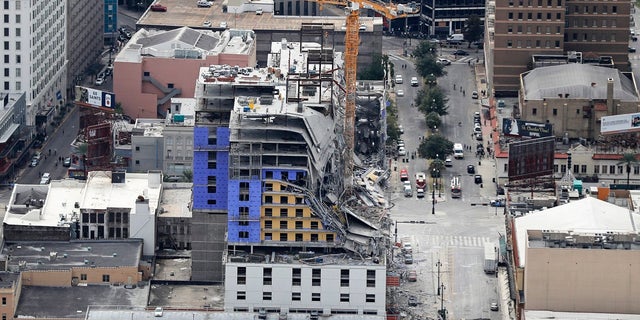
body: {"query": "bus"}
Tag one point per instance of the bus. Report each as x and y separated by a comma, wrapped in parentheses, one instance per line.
(456, 190)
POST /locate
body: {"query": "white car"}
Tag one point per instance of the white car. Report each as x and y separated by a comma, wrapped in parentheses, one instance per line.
(402, 151)
(444, 61)
(399, 79)
(414, 82)
(223, 24)
(474, 95)
(448, 162)
(206, 23)
(99, 81)
(46, 178)
(259, 11)
(401, 128)
(158, 312)
(204, 4)
(400, 93)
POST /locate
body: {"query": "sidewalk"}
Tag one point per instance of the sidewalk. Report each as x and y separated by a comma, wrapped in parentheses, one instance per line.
(487, 165)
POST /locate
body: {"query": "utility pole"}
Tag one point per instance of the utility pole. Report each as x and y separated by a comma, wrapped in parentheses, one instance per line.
(438, 264)
(433, 199)
(443, 311)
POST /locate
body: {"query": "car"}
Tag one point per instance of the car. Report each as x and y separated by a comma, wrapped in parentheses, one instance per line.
(46, 178)
(37, 156)
(398, 79)
(408, 259)
(400, 93)
(477, 179)
(158, 7)
(404, 175)
(412, 276)
(158, 312)
(471, 169)
(108, 72)
(414, 82)
(479, 136)
(110, 66)
(128, 34)
(413, 301)
(500, 190)
(448, 162)
(498, 202)
(203, 4)
(34, 162)
(67, 162)
(406, 247)
(363, 27)
(99, 81)
(259, 12)
(476, 115)
(37, 144)
(434, 41)
(206, 23)
(494, 306)
(400, 143)
(474, 95)
(401, 128)
(632, 49)
(402, 151)
(443, 61)
(460, 53)
(408, 192)
(477, 130)
(223, 24)
(122, 29)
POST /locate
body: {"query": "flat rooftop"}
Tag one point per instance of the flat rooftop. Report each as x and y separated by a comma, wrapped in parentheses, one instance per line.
(58, 203)
(7, 279)
(275, 256)
(47, 302)
(186, 13)
(65, 255)
(187, 296)
(122, 312)
(174, 268)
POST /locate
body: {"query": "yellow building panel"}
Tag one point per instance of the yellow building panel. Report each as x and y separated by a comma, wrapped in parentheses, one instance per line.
(306, 236)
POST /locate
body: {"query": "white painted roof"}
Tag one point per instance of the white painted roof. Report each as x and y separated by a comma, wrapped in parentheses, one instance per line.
(588, 215)
(545, 315)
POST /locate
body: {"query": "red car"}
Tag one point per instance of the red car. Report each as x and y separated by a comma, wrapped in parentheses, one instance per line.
(404, 175)
(158, 7)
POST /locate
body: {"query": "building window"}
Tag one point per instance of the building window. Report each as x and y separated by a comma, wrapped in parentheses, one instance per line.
(284, 212)
(83, 276)
(105, 278)
(620, 169)
(510, 15)
(596, 169)
(211, 201)
(636, 169)
(299, 237)
(266, 276)
(371, 298)
(242, 275)
(4, 301)
(344, 277)
(344, 297)
(284, 199)
(284, 236)
(243, 197)
(371, 278)
(583, 168)
(316, 277)
(555, 168)
(329, 238)
(563, 168)
(296, 276)
(509, 43)
(266, 296)
(534, 111)
(243, 234)
(268, 236)
(268, 199)
(576, 168)
(314, 225)
(268, 212)
(555, 111)
(315, 296)
(314, 237)
(295, 296)
(509, 29)
(268, 224)
(299, 213)
(283, 225)
(298, 224)
(612, 169)
(241, 295)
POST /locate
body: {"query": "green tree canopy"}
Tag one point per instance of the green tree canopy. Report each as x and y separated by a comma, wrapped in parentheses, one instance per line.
(432, 99)
(628, 159)
(436, 144)
(374, 71)
(473, 29)
(433, 120)
(426, 66)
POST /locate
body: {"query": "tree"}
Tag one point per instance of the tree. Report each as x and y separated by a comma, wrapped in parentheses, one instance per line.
(426, 65)
(187, 175)
(435, 145)
(436, 167)
(374, 71)
(433, 120)
(432, 99)
(628, 159)
(473, 29)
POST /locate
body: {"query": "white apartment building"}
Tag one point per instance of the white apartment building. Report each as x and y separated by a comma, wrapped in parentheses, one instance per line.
(305, 283)
(34, 52)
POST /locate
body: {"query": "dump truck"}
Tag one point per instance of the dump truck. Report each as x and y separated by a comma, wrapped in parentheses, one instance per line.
(490, 258)
(421, 184)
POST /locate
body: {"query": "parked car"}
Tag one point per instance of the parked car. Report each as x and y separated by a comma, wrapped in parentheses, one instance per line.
(223, 24)
(494, 306)
(158, 7)
(412, 276)
(474, 95)
(67, 162)
(99, 81)
(443, 61)
(479, 136)
(203, 4)
(498, 202)
(34, 162)
(460, 53)
(448, 162)
(632, 49)
(46, 178)
(477, 179)
(402, 151)
(408, 259)
(206, 23)
(398, 79)
(401, 128)
(400, 93)
(413, 301)
(259, 12)
(471, 169)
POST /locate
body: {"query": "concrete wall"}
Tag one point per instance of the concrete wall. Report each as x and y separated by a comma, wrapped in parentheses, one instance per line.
(329, 288)
(582, 280)
(146, 153)
(65, 278)
(30, 233)
(9, 298)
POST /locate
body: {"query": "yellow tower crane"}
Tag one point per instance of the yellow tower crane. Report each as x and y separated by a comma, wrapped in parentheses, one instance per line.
(351, 43)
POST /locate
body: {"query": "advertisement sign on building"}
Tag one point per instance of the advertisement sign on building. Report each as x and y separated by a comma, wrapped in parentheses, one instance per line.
(90, 97)
(521, 128)
(531, 158)
(629, 122)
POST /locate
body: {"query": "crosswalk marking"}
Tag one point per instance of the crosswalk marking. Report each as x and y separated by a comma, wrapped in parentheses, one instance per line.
(453, 241)
(395, 57)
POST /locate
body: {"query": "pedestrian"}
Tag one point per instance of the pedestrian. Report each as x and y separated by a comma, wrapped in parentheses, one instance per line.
(463, 92)
(454, 86)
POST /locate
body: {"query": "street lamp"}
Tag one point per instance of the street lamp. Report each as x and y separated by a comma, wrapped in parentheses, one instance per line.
(443, 311)
(438, 264)
(433, 199)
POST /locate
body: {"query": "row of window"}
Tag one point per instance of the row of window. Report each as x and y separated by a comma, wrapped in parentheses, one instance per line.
(530, 30)
(284, 212)
(530, 43)
(105, 277)
(284, 224)
(597, 169)
(297, 237)
(117, 217)
(297, 296)
(298, 310)
(296, 277)
(592, 23)
(539, 3)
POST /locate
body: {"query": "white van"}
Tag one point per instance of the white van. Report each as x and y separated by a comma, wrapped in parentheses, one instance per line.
(458, 151)
(399, 79)
(414, 81)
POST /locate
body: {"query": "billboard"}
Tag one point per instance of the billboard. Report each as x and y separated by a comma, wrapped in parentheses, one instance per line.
(629, 122)
(90, 97)
(521, 128)
(531, 158)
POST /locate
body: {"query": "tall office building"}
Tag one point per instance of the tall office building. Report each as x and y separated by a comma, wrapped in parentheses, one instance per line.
(518, 29)
(34, 53)
(442, 18)
(84, 30)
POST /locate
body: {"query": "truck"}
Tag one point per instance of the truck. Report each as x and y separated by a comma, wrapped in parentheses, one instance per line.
(456, 38)
(490, 258)
(421, 184)
(458, 151)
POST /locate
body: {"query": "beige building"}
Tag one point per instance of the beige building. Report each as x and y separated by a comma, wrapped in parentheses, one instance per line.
(518, 29)
(85, 29)
(579, 257)
(574, 97)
